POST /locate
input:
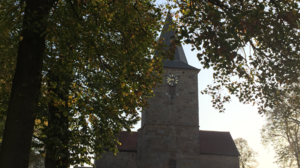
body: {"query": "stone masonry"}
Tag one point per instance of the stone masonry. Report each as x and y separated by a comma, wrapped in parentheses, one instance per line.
(170, 125)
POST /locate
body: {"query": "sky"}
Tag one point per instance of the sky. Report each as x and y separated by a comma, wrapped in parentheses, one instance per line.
(241, 120)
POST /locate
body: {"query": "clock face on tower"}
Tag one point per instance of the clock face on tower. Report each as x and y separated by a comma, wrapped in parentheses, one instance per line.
(172, 80)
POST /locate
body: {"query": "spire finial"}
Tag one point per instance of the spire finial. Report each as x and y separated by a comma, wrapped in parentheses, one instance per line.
(168, 36)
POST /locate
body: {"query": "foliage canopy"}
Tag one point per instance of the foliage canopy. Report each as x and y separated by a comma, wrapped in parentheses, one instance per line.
(218, 29)
(99, 56)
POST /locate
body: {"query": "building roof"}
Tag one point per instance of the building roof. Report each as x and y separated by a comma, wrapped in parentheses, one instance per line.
(128, 141)
(211, 143)
(168, 36)
(217, 143)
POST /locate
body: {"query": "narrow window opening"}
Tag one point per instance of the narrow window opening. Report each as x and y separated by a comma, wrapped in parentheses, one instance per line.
(172, 90)
(172, 163)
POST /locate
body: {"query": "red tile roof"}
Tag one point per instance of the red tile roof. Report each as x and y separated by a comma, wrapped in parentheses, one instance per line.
(211, 143)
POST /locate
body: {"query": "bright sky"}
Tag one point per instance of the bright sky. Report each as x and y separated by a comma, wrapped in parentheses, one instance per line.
(239, 119)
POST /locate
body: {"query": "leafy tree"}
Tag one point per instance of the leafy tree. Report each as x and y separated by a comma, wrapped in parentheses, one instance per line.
(97, 68)
(26, 84)
(8, 51)
(247, 158)
(218, 29)
(106, 40)
(282, 130)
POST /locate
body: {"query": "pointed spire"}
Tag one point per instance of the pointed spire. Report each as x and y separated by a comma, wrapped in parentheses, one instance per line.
(168, 35)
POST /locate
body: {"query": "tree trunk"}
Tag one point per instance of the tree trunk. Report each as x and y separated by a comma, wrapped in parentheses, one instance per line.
(57, 145)
(57, 151)
(16, 144)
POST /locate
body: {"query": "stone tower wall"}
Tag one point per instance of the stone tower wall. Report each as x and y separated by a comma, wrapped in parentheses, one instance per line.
(180, 109)
(170, 126)
(121, 160)
(219, 161)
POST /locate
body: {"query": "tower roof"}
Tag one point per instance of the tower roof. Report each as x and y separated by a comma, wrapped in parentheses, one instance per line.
(168, 36)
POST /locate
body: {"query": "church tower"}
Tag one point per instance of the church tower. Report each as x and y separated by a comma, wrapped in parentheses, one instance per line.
(169, 133)
(169, 136)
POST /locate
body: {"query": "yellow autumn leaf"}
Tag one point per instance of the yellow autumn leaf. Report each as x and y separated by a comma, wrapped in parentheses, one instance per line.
(37, 121)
